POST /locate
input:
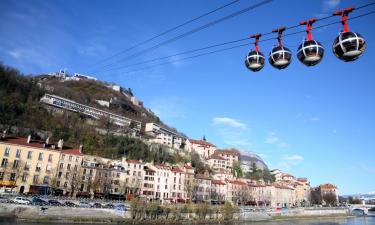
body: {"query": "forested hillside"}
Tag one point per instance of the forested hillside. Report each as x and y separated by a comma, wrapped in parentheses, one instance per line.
(20, 109)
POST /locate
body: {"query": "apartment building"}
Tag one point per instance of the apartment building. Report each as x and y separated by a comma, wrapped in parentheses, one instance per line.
(27, 165)
(217, 163)
(135, 174)
(163, 182)
(203, 188)
(58, 102)
(69, 171)
(202, 147)
(178, 190)
(218, 191)
(148, 186)
(163, 135)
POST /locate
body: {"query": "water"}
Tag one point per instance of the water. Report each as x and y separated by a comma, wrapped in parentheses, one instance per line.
(343, 221)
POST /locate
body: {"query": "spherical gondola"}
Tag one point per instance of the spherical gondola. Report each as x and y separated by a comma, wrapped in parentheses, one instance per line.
(254, 61)
(310, 52)
(280, 57)
(349, 46)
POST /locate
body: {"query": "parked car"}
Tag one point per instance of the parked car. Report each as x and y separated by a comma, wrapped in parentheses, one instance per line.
(70, 204)
(109, 206)
(84, 205)
(97, 205)
(21, 200)
(38, 201)
(54, 202)
(3, 199)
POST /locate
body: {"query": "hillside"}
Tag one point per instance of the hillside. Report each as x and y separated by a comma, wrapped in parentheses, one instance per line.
(21, 110)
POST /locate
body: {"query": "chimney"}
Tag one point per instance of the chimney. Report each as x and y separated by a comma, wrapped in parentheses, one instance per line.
(28, 139)
(60, 144)
(80, 148)
(4, 134)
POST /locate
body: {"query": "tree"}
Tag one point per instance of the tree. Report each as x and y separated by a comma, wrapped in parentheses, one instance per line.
(330, 199)
(237, 170)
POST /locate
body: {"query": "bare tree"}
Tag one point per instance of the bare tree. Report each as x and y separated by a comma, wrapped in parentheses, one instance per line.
(330, 199)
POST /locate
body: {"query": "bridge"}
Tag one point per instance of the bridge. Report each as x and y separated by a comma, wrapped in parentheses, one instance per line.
(360, 207)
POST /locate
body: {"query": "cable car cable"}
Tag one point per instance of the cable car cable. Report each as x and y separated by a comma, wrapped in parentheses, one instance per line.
(237, 13)
(166, 32)
(221, 44)
(241, 45)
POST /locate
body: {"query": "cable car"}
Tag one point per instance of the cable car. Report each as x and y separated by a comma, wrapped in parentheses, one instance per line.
(280, 56)
(348, 46)
(310, 52)
(255, 59)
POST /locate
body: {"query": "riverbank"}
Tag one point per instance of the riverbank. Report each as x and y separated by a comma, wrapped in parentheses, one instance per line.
(110, 216)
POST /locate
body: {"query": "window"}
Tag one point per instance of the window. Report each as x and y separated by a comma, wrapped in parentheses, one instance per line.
(29, 154)
(66, 184)
(58, 183)
(67, 175)
(1, 175)
(77, 159)
(68, 167)
(40, 157)
(63, 157)
(50, 158)
(27, 165)
(49, 167)
(75, 168)
(18, 153)
(61, 165)
(38, 167)
(7, 150)
(24, 177)
(15, 164)
(70, 158)
(46, 180)
(4, 163)
(12, 177)
(59, 175)
(35, 179)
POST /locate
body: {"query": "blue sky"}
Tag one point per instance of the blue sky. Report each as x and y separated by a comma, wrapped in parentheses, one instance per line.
(315, 122)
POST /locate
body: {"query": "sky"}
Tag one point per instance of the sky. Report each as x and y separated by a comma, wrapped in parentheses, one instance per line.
(316, 122)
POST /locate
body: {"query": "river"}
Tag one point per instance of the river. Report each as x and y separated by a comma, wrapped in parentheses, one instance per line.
(326, 221)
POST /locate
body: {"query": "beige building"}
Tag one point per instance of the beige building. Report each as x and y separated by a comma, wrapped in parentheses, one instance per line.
(178, 191)
(203, 148)
(203, 188)
(163, 136)
(218, 163)
(69, 172)
(27, 165)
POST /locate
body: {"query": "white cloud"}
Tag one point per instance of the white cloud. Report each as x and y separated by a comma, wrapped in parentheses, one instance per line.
(293, 159)
(16, 54)
(168, 107)
(274, 140)
(315, 119)
(231, 131)
(228, 122)
(330, 4)
(289, 161)
(371, 193)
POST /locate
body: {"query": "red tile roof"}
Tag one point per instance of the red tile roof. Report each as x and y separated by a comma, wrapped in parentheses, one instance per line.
(237, 182)
(201, 142)
(72, 152)
(133, 161)
(216, 156)
(228, 152)
(177, 170)
(33, 143)
(220, 182)
(328, 186)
